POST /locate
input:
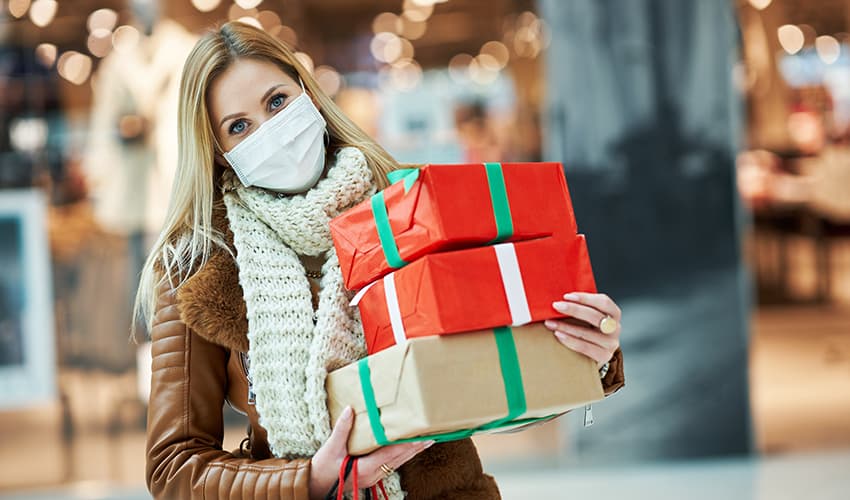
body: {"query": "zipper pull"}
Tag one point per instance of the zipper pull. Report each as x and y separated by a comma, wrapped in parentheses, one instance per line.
(252, 398)
(588, 415)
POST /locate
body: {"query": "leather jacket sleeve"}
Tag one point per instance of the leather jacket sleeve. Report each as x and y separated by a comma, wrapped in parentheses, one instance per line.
(185, 423)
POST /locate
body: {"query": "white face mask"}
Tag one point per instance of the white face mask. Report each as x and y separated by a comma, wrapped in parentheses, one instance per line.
(286, 153)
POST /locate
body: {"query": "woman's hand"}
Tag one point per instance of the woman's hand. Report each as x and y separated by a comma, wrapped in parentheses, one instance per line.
(326, 462)
(584, 336)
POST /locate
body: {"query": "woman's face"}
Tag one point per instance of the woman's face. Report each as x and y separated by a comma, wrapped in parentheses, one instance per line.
(244, 96)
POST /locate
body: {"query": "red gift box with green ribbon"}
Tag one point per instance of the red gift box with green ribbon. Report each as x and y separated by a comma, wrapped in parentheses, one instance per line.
(447, 207)
(474, 289)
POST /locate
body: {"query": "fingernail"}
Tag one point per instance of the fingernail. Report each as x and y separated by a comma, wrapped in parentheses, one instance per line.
(550, 324)
(346, 413)
(571, 296)
(561, 306)
(429, 444)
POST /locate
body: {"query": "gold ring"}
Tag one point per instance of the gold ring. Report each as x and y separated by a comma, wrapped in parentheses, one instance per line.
(387, 470)
(608, 325)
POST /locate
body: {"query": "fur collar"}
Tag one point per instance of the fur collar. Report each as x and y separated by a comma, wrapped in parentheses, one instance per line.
(210, 302)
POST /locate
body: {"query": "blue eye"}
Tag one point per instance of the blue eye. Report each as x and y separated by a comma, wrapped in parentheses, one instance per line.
(277, 101)
(237, 127)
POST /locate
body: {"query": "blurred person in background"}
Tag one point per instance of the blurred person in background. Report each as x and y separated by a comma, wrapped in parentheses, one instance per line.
(266, 159)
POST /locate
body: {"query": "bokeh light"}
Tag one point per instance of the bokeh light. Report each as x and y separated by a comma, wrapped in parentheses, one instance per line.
(828, 49)
(386, 22)
(791, 38)
(206, 5)
(248, 4)
(105, 19)
(329, 79)
(42, 12)
(74, 67)
(46, 54)
(100, 42)
(18, 7)
(125, 39)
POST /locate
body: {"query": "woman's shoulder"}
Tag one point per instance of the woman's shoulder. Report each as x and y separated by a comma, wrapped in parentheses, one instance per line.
(211, 302)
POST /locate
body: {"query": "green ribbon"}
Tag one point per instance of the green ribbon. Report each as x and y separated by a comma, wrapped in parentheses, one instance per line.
(385, 231)
(498, 197)
(514, 395)
(408, 175)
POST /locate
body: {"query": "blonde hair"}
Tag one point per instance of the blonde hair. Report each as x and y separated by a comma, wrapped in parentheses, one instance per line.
(188, 236)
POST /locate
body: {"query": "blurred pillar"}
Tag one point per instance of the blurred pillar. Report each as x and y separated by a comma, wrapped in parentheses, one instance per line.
(642, 111)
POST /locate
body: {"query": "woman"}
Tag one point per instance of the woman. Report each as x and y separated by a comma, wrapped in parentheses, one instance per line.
(244, 297)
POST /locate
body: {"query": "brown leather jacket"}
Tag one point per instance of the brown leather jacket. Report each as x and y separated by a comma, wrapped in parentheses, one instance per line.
(198, 334)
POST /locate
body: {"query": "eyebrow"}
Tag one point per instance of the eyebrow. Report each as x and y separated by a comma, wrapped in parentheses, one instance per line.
(262, 99)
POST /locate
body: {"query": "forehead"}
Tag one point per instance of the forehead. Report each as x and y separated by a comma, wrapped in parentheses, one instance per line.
(240, 87)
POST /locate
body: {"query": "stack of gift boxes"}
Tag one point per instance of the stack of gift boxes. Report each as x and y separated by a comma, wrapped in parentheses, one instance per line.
(456, 267)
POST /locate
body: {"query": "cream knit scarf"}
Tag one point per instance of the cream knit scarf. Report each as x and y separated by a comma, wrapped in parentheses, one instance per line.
(290, 356)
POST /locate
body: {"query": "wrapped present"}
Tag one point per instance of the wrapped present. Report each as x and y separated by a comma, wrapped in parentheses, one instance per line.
(451, 387)
(474, 289)
(448, 207)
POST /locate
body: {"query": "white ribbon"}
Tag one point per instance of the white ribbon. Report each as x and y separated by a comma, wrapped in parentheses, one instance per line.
(512, 281)
(393, 307)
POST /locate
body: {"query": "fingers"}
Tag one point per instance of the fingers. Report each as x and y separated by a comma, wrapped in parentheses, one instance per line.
(608, 342)
(598, 301)
(579, 311)
(393, 456)
(591, 350)
(338, 441)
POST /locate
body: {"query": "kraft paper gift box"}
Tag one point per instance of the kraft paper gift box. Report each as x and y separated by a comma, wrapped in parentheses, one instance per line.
(474, 289)
(450, 387)
(445, 207)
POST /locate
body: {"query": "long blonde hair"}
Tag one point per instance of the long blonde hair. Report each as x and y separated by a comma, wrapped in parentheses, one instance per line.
(188, 236)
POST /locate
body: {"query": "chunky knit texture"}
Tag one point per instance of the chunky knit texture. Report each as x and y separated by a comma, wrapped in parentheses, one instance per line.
(290, 356)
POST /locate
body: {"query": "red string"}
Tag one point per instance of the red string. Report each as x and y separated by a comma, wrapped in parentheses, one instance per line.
(354, 496)
(341, 490)
(384, 491)
(374, 491)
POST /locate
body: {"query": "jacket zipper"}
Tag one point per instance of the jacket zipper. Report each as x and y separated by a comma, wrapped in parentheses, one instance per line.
(246, 363)
(588, 415)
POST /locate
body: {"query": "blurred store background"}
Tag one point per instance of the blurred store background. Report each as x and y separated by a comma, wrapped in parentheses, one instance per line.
(707, 148)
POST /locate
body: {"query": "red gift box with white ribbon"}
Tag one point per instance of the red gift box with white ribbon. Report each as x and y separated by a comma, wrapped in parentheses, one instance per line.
(474, 289)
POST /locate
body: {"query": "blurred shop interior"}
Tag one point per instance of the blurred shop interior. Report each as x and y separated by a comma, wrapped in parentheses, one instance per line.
(706, 145)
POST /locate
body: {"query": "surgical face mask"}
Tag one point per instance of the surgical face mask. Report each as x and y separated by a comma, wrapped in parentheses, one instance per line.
(286, 153)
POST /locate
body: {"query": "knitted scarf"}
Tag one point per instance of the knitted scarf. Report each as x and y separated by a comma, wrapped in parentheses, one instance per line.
(289, 354)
